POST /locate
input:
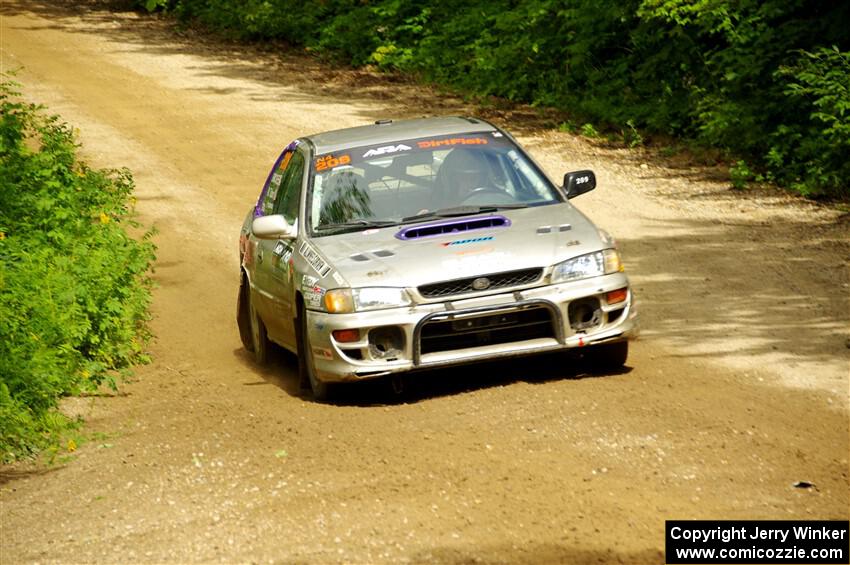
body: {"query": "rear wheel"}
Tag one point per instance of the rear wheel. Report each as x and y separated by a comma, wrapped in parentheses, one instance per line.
(306, 369)
(259, 339)
(608, 357)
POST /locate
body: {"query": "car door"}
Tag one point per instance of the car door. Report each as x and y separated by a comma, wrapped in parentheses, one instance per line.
(276, 265)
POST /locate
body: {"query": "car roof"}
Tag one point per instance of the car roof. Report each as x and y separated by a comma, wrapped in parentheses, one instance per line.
(388, 131)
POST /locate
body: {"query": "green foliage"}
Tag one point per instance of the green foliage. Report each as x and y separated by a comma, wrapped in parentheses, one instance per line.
(740, 175)
(809, 150)
(763, 80)
(73, 287)
(589, 130)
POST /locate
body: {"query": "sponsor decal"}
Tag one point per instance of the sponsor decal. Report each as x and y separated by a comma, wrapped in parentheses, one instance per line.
(376, 273)
(433, 143)
(329, 162)
(465, 241)
(386, 149)
(573, 242)
(338, 278)
(283, 163)
(489, 262)
(323, 352)
(312, 256)
(245, 248)
(312, 299)
(476, 251)
(311, 291)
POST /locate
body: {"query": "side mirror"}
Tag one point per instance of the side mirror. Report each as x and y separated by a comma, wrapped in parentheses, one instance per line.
(273, 227)
(579, 182)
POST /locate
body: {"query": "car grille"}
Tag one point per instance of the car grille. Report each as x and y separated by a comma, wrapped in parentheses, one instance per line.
(487, 329)
(498, 280)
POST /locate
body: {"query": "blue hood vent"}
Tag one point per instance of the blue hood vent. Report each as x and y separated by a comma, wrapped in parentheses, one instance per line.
(459, 225)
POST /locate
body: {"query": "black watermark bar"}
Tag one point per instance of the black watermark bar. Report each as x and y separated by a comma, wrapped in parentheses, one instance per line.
(757, 541)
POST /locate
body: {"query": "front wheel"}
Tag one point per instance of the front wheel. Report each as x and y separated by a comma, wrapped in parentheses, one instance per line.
(260, 344)
(608, 357)
(306, 368)
(243, 313)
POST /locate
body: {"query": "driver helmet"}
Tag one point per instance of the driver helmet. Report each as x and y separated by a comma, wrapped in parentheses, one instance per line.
(465, 170)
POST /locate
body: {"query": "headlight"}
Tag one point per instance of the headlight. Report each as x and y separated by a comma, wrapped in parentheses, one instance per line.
(345, 300)
(591, 265)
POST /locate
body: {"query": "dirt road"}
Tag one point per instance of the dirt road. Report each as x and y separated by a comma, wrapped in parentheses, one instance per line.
(737, 390)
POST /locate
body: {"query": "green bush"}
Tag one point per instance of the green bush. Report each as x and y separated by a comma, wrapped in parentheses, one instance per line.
(765, 81)
(74, 292)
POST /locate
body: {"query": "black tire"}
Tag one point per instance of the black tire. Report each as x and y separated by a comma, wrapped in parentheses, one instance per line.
(260, 344)
(306, 370)
(243, 313)
(608, 357)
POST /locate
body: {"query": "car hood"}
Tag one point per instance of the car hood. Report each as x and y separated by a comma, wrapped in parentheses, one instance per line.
(411, 255)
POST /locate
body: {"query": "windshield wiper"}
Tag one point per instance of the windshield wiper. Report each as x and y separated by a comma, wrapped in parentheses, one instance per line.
(462, 211)
(357, 224)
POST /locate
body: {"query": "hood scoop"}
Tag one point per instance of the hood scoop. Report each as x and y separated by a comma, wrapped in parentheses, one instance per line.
(458, 225)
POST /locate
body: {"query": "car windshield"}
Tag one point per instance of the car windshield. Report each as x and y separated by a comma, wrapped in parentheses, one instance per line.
(412, 180)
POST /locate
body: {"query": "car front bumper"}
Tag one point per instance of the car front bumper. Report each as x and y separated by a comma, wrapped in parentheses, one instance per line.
(451, 332)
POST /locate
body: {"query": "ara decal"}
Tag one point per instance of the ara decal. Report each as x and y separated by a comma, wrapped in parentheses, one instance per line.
(465, 241)
(386, 149)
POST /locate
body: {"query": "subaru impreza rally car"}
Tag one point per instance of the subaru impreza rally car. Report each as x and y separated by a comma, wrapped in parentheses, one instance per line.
(406, 245)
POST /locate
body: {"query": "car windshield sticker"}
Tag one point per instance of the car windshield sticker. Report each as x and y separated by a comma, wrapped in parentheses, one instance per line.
(387, 149)
(431, 143)
(285, 161)
(312, 256)
(329, 162)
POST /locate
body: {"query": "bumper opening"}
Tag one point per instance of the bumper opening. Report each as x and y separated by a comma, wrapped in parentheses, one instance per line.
(487, 329)
(585, 314)
(386, 342)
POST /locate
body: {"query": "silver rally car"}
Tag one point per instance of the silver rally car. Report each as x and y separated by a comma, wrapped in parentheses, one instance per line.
(414, 244)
